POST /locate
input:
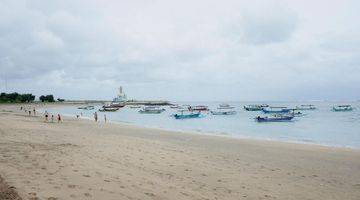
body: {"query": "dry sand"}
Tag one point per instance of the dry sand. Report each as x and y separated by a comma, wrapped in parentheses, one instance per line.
(81, 159)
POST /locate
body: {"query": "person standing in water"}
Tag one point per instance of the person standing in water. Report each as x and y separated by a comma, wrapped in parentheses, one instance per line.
(46, 116)
(34, 111)
(52, 118)
(58, 118)
(95, 116)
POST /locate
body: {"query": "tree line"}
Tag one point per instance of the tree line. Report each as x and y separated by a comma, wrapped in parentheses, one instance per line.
(25, 98)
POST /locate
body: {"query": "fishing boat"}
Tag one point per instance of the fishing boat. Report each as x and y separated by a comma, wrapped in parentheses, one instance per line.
(135, 106)
(175, 106)
(342, 108)
(255, 107)
(223, 112)
(306, 107)
(276, 110)
(108, 109)
(190, 115)
(198, 108)
(225, 106)
(151, 110)
(296, 113)
(274, 118)
(86, 108)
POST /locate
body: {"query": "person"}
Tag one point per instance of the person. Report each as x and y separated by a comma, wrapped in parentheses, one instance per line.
(52, 118)
(29, 112)
(21, 108)
(46, 116)
(34, 111)
(95, 116)
(105, 118)
(77, 116)
(58, 118)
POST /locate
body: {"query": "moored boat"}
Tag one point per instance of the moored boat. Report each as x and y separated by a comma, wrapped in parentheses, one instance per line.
(135, 106)
(255, 107)
(151, 110)
(108, 109)
(223, 112)
(274, 118)
(342, 108)
(276, 110)
(225, 106)
(306, 107)
(185, 115)
(198, 108)
(86, 108)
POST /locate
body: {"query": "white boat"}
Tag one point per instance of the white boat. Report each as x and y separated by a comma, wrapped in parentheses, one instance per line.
(113, 109)
(135, 106)
(151, 110)
(342, 108)
(225, 106)
(223, 112)
(87, 107)
(306, 107)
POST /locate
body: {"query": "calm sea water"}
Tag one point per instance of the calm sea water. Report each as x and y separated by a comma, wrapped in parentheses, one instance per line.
(320, 126)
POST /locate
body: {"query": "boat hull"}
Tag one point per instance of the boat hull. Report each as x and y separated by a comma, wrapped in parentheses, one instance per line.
(194, 115)
(223, 112)
(274, 119)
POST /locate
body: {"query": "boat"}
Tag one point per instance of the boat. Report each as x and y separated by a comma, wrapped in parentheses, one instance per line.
(341, 108)
(223, 112)
(276, 110)
(255, 107)
(86, 108)
(306, 107)
(225, 106)
(198, 108)
(274, 118)
(135, 106)
(175, 106)
(109, 109)
(151, 110)
(190, 115)
(296, 113)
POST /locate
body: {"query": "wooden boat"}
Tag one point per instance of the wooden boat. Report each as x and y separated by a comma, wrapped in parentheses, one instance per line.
(225, 106)
(255, 107)
(108, 109)
(276, 110)
(342, 108)
(151, 110)
(306, 107)
(224, 112)
(274, 118)
(135, 106)
(86, 108)
(198, 108)
(187, 116)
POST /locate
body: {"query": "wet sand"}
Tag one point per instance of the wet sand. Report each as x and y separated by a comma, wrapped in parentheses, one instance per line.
(81, 159)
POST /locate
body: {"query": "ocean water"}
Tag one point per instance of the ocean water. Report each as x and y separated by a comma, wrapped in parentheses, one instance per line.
(321, 126)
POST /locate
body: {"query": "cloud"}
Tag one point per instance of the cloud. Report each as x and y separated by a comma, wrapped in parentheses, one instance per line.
(235, 49)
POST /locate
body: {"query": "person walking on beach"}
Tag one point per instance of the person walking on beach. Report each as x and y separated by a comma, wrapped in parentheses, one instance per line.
(95, 116)
(105, 118)
(29, 112)
(46, 116)
(52, 118)
(34, 111)
(58, 118)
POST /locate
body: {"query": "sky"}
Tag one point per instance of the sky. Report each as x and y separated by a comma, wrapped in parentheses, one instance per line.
(203, 50)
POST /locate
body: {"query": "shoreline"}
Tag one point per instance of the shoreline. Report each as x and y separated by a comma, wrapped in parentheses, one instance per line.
(213, 134)
(80, 159)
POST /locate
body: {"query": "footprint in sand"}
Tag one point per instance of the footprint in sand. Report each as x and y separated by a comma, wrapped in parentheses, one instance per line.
(85, 175)
(52, 198)
(71, 186)
(87, 194)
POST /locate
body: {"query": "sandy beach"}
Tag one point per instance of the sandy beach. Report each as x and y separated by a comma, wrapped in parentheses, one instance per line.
(81, 159)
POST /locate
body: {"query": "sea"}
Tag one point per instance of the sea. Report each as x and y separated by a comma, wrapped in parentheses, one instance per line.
(321, 126)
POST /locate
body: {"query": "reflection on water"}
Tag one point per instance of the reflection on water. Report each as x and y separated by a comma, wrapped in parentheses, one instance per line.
(320, 126)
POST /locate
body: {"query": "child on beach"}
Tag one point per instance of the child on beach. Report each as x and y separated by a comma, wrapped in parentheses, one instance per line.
(58, 118)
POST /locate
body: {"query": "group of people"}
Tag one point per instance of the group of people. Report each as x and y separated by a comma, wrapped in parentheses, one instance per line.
(47, 115)
(29, 110)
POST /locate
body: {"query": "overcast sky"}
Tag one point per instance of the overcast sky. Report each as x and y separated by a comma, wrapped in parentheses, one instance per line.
(182, 50)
